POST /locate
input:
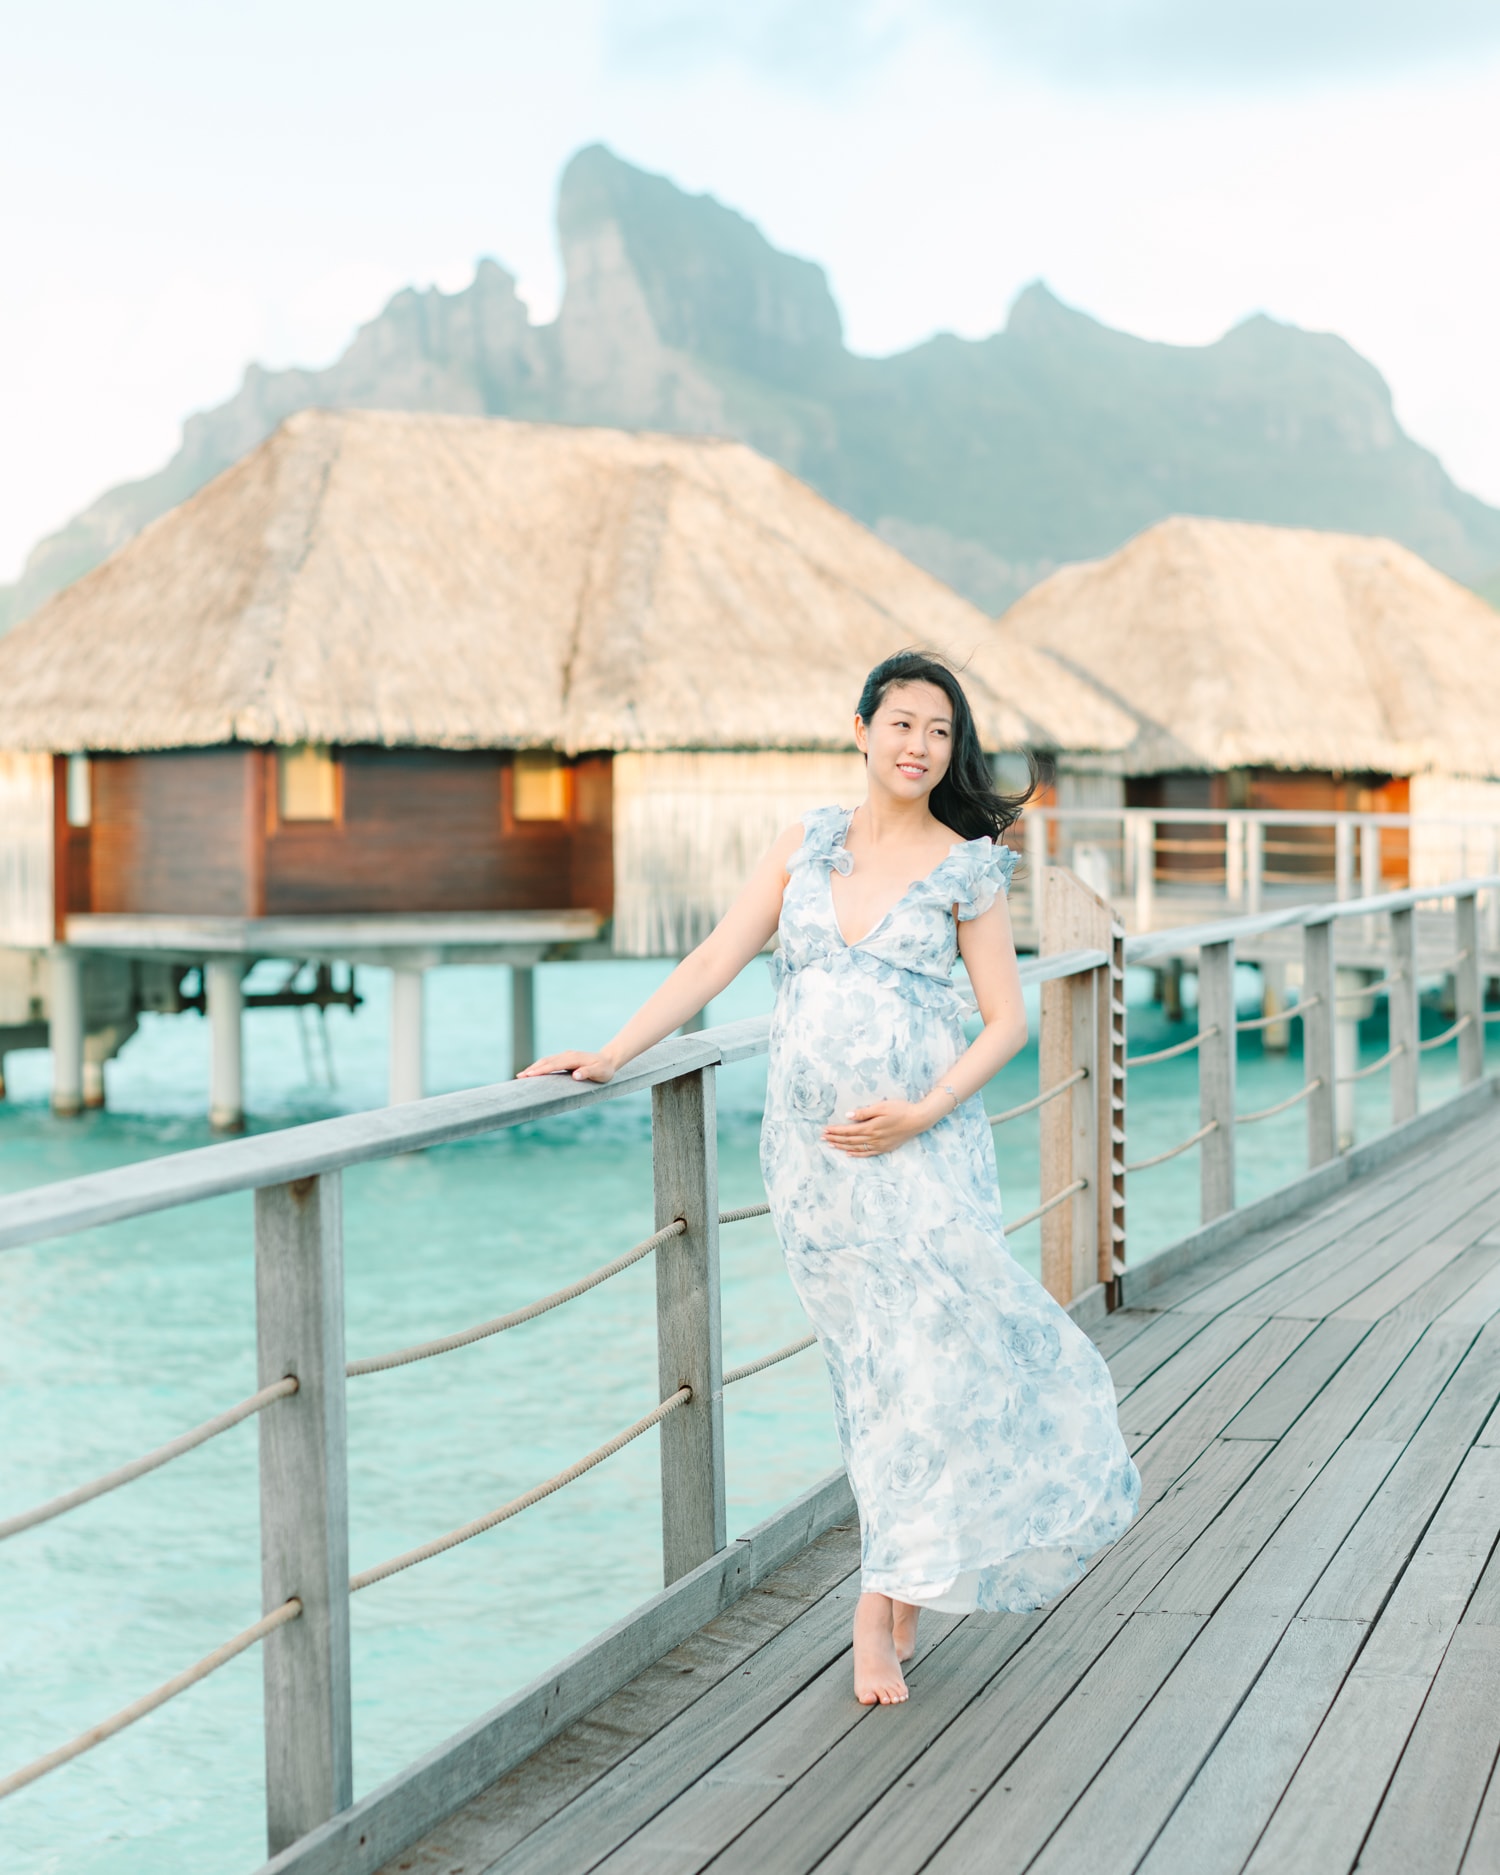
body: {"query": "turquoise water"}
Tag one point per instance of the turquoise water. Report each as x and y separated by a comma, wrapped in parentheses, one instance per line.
(114, 1341)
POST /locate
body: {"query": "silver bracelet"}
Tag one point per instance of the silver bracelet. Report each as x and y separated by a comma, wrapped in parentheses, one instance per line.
(943, 1087)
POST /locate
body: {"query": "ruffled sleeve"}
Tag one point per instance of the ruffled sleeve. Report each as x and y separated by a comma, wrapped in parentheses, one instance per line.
(984, 874)
(823, 830)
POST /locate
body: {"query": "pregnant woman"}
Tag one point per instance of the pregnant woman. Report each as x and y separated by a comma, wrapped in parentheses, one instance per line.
(976, 1420)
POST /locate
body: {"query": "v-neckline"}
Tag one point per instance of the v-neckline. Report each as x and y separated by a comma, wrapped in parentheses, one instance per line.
(896, 903)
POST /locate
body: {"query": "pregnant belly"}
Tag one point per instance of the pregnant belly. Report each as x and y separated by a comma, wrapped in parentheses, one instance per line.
(834, 1049)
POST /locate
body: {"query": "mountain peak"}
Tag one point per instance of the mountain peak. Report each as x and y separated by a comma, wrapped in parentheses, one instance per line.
(715, 286)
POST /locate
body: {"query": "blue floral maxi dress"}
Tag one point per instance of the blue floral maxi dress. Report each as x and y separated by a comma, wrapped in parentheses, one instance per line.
(977, 1421)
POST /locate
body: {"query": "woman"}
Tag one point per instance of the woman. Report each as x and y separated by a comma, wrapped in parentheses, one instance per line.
(977, 1422)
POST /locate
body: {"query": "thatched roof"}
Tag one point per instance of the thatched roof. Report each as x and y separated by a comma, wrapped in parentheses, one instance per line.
(457, 582)
(1234, 645)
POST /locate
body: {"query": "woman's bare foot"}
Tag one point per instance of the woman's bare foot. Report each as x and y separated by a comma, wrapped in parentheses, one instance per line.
(904, 1628)
(877, 1671)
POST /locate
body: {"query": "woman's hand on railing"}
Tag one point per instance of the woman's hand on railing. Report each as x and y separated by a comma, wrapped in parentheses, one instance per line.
(582, 1065)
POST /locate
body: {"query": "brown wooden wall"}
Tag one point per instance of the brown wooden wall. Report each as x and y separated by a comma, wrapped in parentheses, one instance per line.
(197, 832)
(178, 831)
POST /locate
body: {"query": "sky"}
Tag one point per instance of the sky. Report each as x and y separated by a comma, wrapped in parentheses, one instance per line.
(188, 187)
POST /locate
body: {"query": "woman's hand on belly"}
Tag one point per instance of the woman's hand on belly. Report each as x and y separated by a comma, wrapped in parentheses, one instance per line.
(884, 1125)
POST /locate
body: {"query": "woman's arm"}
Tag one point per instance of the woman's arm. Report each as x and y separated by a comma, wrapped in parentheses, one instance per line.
(989, 953)
(744, 930)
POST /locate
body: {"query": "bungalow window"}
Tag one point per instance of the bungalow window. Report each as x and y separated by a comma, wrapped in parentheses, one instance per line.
(80, 792)
(540, 790)
(306, 783)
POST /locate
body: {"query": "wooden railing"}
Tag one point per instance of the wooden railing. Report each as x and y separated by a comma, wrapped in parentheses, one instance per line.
(303, 1628)
(1145, 858)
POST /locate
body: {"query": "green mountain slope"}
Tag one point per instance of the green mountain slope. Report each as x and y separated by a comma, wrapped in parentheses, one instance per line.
(989, 461)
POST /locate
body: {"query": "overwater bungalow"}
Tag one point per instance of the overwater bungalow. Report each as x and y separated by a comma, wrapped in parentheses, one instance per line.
(1271, 668)
(407, 689)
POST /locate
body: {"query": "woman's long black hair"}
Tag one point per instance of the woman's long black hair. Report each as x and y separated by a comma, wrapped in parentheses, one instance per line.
(966, 798)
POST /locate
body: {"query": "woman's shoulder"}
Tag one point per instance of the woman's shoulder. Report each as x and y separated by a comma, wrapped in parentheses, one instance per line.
(980, 872)
(818, 835)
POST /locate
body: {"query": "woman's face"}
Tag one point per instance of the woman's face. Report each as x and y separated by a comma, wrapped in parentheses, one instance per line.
(909, 740)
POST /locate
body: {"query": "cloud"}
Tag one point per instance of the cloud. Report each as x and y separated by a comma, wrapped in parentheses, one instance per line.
(1227, 44)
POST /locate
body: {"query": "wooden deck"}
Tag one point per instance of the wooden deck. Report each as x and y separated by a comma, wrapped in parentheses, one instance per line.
(1290, 1663)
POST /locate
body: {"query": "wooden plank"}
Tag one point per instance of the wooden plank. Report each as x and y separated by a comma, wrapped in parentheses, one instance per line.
(1320, 1284)
(1027, 1800)
(1396, 1191)
(1476, 1306)
(1336, 1789)
(1406, 1145)
(1415, 1273)
(304, 1506)
(675, 1757)
(1148, 1407)
(809, 1818)
(1116, 1331)
(1211, 1409)
(1356, 1582)
(1405, 1401)
(296, 1152)
(1145, 1352)
(1275, 1405)
(689, 1347)
(914, 1815)
(517, 1804)
(1116, 1820)
(1430, 1808)
(1216, 1825)
(374, 1829)
(1198, 1581)
(707, 1816)
(810, 1815)
(1453, 1282)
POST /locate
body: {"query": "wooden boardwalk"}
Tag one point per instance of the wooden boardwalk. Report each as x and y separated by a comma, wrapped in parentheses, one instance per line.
(1289, 1665)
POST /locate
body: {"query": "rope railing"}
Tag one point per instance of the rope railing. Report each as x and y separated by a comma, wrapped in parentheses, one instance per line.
(1030, 1106)
(1448, 1035)
(409, 1558)
(138, 1467)
(1374, 1067)
(1266, 1113)
(1377, 988)
(138, 1709)
(1291, 1013)
(1057, 1198)
(424, 1350)
(745, 1211)
(768, 1360)
(1160, 1158)
(1177, 1048)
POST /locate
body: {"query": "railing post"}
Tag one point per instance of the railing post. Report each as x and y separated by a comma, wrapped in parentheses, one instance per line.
(1318, 1020)
(1403, 1006)
(1111, 1143)
(1234, 859)
(1216, 1065)
(65, 1030)
(1343, 858)
(1034, 826)
(685, 1152)
(1145, 872)
(1468, 989)
(1255, 865)
(1077, 1032)
(1492, 867)
(522, 1017)
(1369, 870)
(304, 1505)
